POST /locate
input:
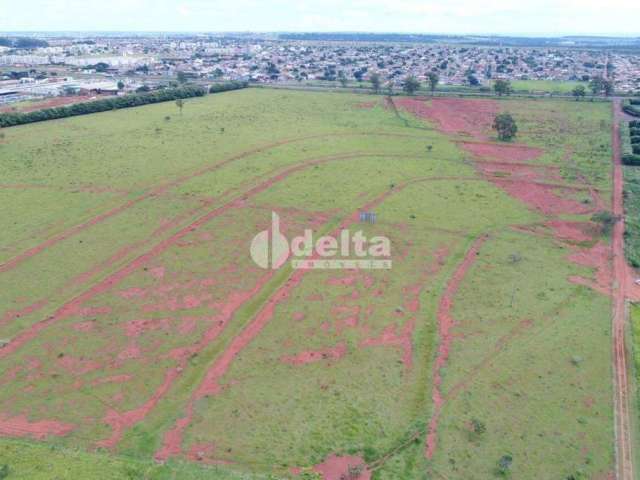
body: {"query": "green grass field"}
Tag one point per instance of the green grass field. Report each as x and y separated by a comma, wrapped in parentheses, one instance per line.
(545, 86)
(136, 326)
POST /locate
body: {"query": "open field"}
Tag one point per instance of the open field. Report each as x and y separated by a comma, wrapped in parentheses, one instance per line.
(137, 329)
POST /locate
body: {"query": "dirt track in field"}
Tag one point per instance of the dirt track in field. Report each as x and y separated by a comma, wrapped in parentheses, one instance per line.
(160, 190)
(624, 426)
(445, 324)
(110, 281)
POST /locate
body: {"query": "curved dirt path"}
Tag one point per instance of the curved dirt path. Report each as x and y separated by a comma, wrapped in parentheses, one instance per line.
(162, 188)
(445, 323)
(72, 306)
(622, 408)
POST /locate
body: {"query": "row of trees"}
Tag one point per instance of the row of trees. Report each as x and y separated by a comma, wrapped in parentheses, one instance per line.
(631, 147)
(631, 107)
(410, 84)
(114, 103)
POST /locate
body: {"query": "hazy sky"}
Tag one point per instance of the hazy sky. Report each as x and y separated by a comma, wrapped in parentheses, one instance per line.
(546, 17)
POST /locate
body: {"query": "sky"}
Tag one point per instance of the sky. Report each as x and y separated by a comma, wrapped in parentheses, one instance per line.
(520, 17)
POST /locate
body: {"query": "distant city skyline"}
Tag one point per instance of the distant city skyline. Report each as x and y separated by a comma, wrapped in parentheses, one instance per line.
(524, 18)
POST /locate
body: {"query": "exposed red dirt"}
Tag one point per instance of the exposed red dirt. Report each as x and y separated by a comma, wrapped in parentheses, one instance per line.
(311, 356)
(445, 324)
(72, 307)
(575, 232)
(11, 315)
(597, 257)
(20, 426)
(210, 385)
(507, 153)
(402, 340)
(340, 468)
(454, 115)
(624, 426)
(120, 422)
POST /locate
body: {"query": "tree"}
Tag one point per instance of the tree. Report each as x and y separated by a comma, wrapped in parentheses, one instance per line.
(182, 77)
(607, 87)
(120, 85)
(410, 85)
(342, 78)
(578, 92)
(596, 84)
(504, 465)
(502, 87)
(506, 126)
(473, 80)
(389, 87)
(374, 78)
(180, 104)
(433, 79)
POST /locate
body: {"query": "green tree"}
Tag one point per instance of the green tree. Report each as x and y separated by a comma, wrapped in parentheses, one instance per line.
(389, 87)
(182, 77)
(410, 85)
(433, 79)
(596, 85)
(504, 465)
(502, 87)
(506, 126)
(120, 85)
(578, 92)
(607, 87)
(342, 78)
(374, 78)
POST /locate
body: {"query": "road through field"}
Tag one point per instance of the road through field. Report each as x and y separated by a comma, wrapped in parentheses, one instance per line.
(623, 424)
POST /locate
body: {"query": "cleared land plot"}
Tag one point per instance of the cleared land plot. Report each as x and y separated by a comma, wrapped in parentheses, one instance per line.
(136, 323)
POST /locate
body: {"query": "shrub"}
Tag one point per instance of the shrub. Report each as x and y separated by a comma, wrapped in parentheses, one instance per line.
(630, 159)
(606, 220)
(4, 471)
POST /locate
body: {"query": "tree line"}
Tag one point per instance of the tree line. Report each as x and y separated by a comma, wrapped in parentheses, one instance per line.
(115, 103)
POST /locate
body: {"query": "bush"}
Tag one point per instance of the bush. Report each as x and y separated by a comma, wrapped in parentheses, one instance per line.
(631, 110)
(115, 103)
(636, 149)
(635, 140)
(631, 159)
(224, 87)
(4, 471)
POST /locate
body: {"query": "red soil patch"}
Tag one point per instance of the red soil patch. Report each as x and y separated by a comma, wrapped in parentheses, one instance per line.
(503, 153)
(72, 307)
(454, 115)
(210, 385)
(366, 105)
(445, 324)
(341, 468)
(20, 426)
(121, 422)
(544, 198)
(302, 358)
(11, 315)
(402, 340)
(573, 231)
(597, 257)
